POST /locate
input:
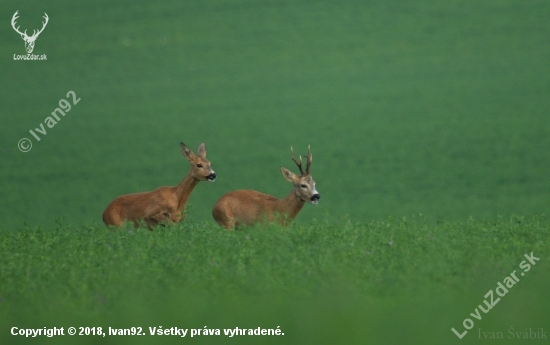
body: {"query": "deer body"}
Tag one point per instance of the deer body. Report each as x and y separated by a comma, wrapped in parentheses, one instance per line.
(248, 206)
(164, 204)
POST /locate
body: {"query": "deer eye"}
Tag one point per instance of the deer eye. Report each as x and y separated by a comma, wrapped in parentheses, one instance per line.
(303, 186)
(199, 165)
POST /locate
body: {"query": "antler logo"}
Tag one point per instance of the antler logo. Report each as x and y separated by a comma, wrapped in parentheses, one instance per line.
(29, 40)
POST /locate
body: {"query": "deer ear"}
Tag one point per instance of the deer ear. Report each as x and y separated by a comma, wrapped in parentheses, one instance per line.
(288, 175)
(186, 151)
(201, 151)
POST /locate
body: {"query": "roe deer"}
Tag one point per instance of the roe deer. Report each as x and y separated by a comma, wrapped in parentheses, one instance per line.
(249, 206)
(164, 204)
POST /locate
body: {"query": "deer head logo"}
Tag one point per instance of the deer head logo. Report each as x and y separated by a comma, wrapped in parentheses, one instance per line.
(29, 40)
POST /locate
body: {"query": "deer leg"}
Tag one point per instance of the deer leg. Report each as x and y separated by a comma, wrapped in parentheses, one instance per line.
(163, 218)
(224, 217)
(112, 217)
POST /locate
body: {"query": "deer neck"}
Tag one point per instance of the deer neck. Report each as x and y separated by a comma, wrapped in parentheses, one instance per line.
(291, 205)
(184, 190)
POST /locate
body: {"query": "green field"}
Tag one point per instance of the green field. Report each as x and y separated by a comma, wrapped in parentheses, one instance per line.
(429, 110)
(384, 282)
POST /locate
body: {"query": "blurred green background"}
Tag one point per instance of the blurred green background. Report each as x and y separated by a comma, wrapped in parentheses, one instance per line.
(433, 107)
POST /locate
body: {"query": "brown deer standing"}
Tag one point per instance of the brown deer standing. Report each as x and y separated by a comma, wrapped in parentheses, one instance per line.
(164, 204)
(249, 206)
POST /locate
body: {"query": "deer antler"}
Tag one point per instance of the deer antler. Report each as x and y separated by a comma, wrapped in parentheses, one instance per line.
(295, 161)
(13, 19)
(43, 25)
(309, 159)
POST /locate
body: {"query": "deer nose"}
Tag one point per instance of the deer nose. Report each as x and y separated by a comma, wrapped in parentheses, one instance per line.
(211, 177)
(316, 196)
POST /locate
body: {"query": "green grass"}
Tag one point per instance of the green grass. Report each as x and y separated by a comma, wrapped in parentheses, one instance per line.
(387, 282)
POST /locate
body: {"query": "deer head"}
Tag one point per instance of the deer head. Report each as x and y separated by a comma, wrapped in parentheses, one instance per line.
(304, 186)
(29, 40)
(201, 168)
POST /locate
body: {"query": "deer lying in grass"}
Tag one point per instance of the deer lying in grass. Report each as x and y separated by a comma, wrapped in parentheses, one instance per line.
(164, 204)
(249, 206)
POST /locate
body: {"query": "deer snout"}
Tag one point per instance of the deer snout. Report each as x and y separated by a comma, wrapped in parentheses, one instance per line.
(315, 198)
(211, 177)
